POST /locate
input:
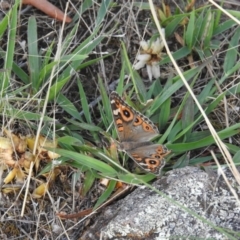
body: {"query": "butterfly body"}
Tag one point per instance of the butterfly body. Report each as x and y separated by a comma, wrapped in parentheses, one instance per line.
(135, 132)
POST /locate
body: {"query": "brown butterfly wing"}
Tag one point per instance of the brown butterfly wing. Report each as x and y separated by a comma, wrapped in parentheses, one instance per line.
(130, 124)
(149, 157)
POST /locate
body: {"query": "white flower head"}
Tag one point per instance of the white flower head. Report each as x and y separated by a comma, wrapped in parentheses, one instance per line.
(150, 55)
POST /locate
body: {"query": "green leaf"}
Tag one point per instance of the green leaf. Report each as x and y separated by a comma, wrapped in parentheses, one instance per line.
(183, 161)
(56, 88)
(102, 11)
(190, 30)
(136, 179)
(89, 179)
(232, 148)
(188, 116)
(25, 115)
(200, 160)
(106, 194)
(73, 57)
(236, 158)
(226, 133)
(20, 73)
(208, 33)
(45, 72)
(33, 57)
(47, 58)
(85, 48)
(84, 103)
(177, 83)
(197, 28)
(85, 126)
(232, 52)
(67, 106)
(224, 26)
(206, 92)
(92, 62)
(68, 140)
(136, 80)
(173, 24)
(4, 23)
(179, 54)
(8, 59)
(174, 130)
(165, 109)
(87, 161)
(83, 7)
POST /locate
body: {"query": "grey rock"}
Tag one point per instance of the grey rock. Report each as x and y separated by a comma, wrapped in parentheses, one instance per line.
(145, 214)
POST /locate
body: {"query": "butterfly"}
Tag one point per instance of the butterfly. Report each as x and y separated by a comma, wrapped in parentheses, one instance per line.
(135, 132)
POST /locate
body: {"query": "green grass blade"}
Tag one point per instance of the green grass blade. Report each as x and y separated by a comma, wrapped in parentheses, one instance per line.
(73, 57)
(85, 126)
(85, 48)
(224, 26)
(173, 24)
(232, 52)
(89, 179)
(84, 103)
(107, 113)
(102, 11)
(68, 140)
(87, 161)
(179, 54)
(5, 75)
(189, 36)
(4, 23)
(56, 88)
(136, 80)
(107, 193)
(165, 109)
(25, 115)
(67, 106)
(47, 57)
(46, 71)
(83, 7)
(33, 58)
(177, 83)
(20, 73)
(209, 30)
(226, 133)
(136, 179)
(198, 27)
(188, 116)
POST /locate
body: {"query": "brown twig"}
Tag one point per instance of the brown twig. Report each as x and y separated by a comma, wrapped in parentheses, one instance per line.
(86, 212)
(48, 8)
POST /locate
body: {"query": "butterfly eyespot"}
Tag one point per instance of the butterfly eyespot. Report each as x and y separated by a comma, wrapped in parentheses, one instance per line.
(137, 121)
(147, 127)
(160, 149)
(127, 115)
(152, 163)
(156, 156)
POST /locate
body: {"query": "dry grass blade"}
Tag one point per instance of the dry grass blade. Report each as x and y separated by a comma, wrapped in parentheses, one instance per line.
(57, 56)
(224, 11)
